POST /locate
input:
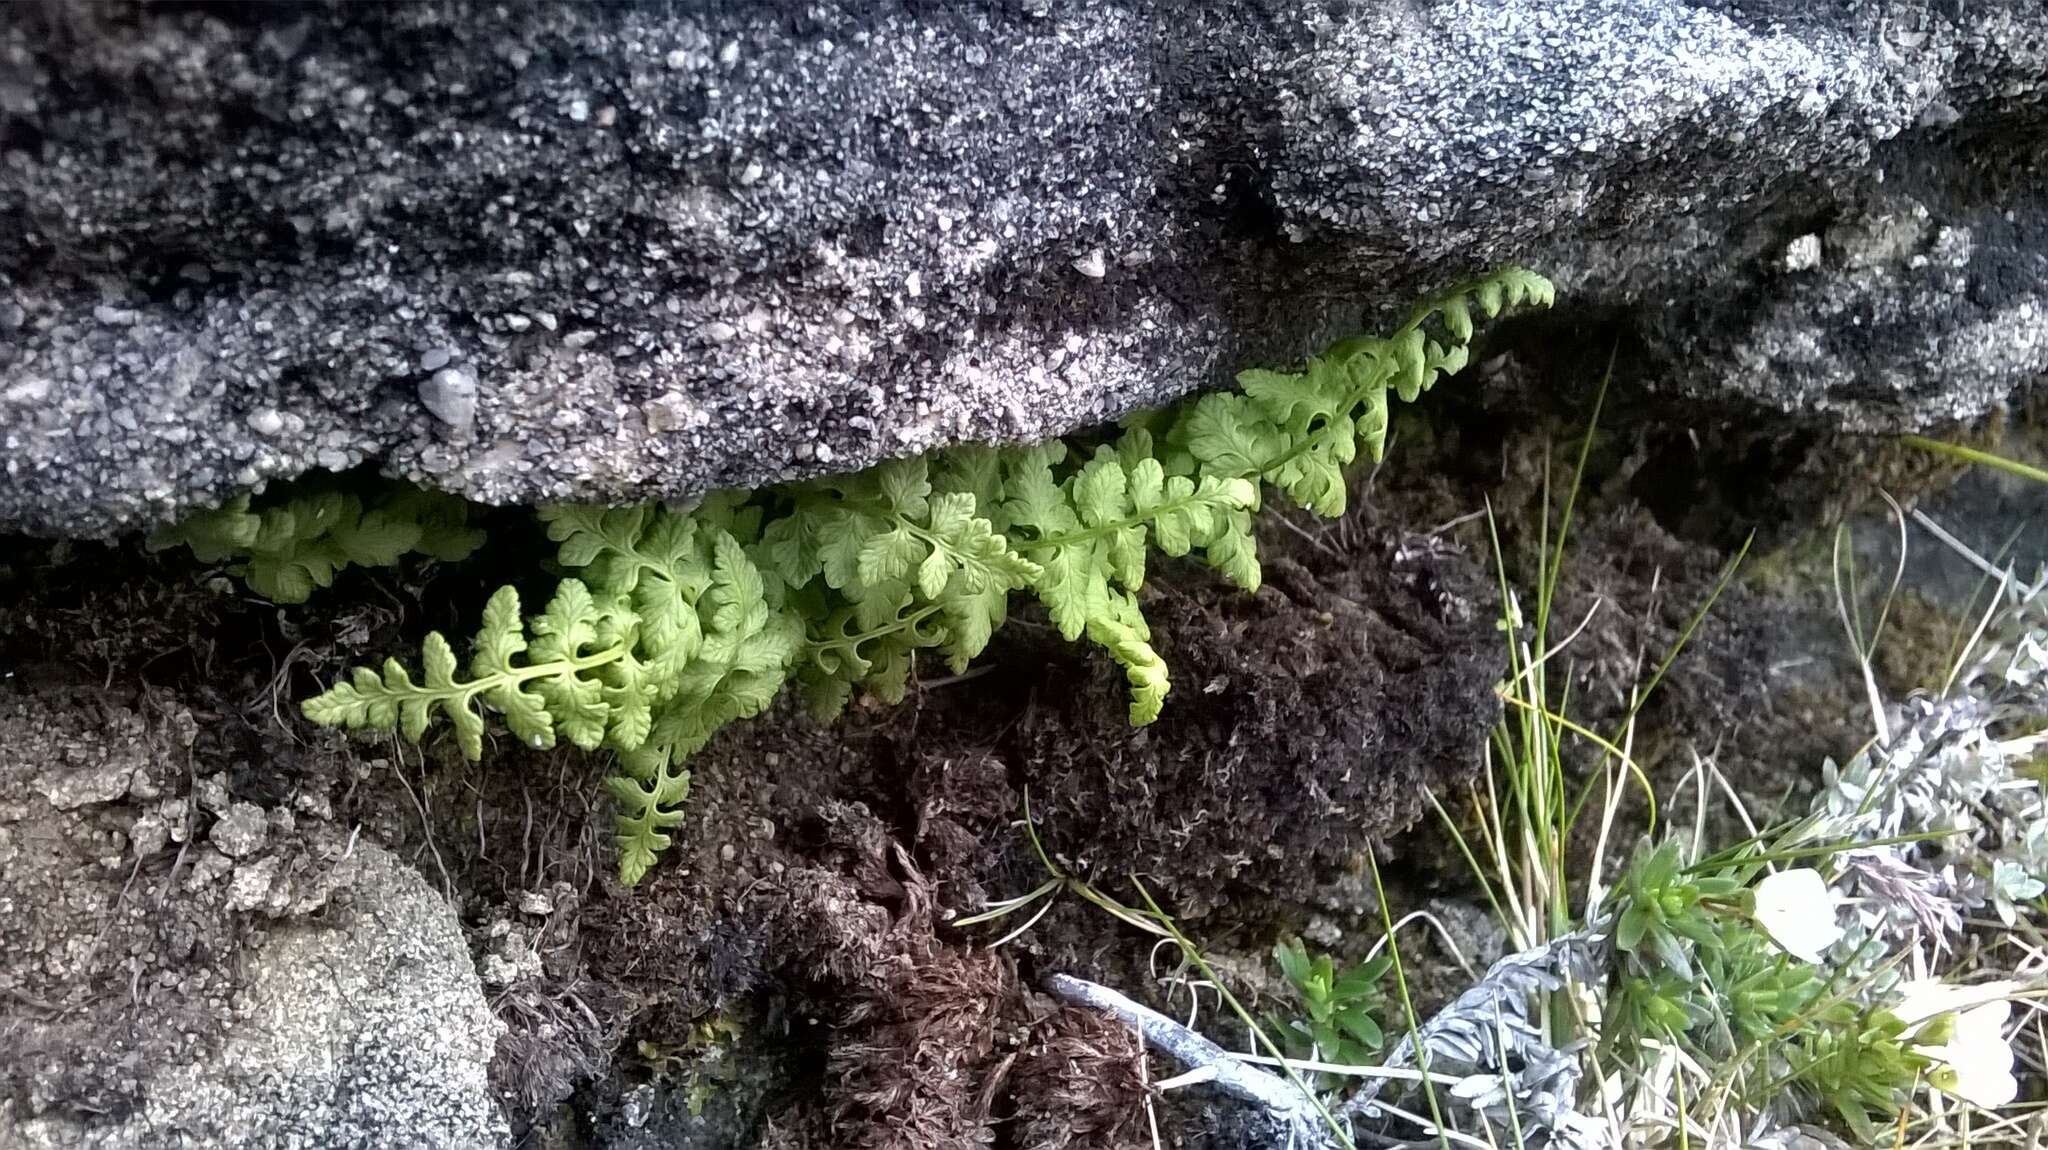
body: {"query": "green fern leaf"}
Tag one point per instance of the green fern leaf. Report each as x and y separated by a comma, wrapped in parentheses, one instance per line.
(973, 547)
(971, 620)
(289, 549)
(375, 538)
(1371, 423)
(1226, 435)
(1234, 552)
(904, 486)
(650, 792)
(973, 469)
(887, 556)
(213, 536)
(1143, 668)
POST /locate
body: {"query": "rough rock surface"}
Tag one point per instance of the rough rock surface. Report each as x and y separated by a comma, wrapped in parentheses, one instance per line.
(311, 990)
(536, 252)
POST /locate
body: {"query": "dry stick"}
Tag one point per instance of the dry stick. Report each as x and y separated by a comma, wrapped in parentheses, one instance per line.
(1277, 1096)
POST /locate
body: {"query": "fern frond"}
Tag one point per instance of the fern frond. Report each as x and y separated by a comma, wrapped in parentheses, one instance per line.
(292, 545)
(518, 681)
(650, 791)
(682, 619)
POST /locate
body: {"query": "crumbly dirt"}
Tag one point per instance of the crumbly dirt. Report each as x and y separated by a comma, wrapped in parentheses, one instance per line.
(789, 975)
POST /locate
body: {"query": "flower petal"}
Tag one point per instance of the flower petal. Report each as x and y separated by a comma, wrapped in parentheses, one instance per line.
(1978, 1059)
(1923, 998)
(1796, 909)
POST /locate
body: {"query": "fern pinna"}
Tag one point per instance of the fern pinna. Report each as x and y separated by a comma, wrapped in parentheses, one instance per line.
(679, 620)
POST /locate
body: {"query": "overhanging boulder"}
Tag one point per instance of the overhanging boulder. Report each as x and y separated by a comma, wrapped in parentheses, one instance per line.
(529, 253)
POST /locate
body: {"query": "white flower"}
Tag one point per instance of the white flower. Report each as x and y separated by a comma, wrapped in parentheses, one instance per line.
(1796, 909)
(1924, 998)
(1976, 1060)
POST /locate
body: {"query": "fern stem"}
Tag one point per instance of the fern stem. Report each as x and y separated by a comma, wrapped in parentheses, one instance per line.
(516, 675)
(851, 643)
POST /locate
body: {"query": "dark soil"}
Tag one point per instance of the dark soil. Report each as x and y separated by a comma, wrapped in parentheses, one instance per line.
(788, 977)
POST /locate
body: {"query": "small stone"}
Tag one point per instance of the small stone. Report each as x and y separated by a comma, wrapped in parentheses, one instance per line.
(677, 59)
(207, 868)
(673, 411)
(114, 316)
(266, 421)
(12, 317)
(499, 970)
(824, 454)
(69, 787)
(719, 331)
(212, 794)
(535, 903)
(436, 359)
(1094, 265)
(579, 110)
(517, 322)
(730, 54)
(546, 319)
(250, 888)
(451, 395)
(1803, 254)
(284, 41)
(582, 338)
(913, 284)
(241, 831)
(751, 174)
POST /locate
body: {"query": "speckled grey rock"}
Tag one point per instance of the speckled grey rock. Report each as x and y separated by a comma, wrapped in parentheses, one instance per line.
(684, 250)
(368, 1031)
(284, 983)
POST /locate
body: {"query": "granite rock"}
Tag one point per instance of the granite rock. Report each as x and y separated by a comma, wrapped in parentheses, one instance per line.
(683, 247)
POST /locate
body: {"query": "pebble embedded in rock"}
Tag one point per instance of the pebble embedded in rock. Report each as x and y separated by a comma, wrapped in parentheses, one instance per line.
(450, 394)
(1094, 265)
(1803, 254)
(436, 359)
(241, 831)
(211, 794)
(251, 885)
(68, 787)
(266, 421)
(149, 834)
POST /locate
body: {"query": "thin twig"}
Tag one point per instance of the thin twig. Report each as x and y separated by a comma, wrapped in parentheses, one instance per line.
(1269, 1092)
